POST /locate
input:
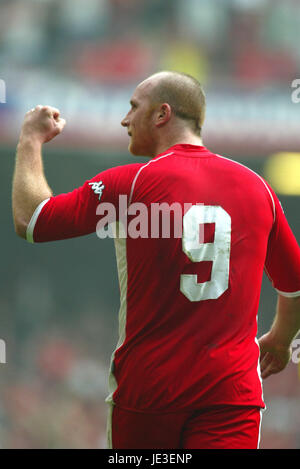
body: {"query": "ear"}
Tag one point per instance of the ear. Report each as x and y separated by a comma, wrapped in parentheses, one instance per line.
(163, 114)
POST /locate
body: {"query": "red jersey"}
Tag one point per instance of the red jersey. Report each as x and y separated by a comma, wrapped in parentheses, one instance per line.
(188, 309)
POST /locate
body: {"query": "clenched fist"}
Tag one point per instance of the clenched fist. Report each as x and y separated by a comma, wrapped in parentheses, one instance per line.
(42, 123)
(273, 357)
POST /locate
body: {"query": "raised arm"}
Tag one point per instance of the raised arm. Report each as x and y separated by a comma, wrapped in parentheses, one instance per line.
(30, 187)
(275, 346)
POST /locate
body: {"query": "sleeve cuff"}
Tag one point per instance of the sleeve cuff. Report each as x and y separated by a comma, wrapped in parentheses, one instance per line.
(31, 224)
(289, 294)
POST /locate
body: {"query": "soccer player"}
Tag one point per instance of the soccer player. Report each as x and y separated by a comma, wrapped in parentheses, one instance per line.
(187, 369)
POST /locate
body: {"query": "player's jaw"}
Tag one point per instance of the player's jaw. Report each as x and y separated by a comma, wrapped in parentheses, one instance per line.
(140, 143)
(139, 125)
(136, 145)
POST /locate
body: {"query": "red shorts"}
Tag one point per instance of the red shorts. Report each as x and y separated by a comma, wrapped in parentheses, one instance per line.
(220, 427)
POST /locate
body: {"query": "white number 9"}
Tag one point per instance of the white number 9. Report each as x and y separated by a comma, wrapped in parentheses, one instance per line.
(218, 252)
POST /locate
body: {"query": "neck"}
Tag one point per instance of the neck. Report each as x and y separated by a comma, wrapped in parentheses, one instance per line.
(184, 139)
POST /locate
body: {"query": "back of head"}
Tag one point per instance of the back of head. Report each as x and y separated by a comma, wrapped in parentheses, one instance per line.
(183, 93)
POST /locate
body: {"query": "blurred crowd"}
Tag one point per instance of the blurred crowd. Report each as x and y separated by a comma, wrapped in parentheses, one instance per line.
(54, 398)
(245, 42)
(86, 56)
(54, 384)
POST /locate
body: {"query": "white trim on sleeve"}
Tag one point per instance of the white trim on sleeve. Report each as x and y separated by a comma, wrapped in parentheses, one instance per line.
(288, 294)
(33, 220)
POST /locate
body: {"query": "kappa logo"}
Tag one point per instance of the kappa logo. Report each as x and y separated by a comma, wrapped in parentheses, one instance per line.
(97, 187)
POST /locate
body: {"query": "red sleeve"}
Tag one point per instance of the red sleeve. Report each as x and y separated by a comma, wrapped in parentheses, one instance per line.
(282, 263)
(77, 213)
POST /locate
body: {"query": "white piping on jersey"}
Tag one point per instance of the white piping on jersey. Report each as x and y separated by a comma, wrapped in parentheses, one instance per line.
(109, 426)
(259, 428)
(139, 171)
(33, 220)
(288, 294)
(270, 194)
(258, 367)
(121, 249)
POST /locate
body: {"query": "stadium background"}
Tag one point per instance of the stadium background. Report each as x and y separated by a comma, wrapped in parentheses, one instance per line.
(59, 302)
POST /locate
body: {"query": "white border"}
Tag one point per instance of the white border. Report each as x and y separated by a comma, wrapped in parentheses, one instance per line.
(138, 173)
(259, 429)
(289, 294)
(33, 220)
(259, 177)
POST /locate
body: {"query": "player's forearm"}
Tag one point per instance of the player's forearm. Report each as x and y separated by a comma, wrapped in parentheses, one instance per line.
(30, 187)
(286, 324)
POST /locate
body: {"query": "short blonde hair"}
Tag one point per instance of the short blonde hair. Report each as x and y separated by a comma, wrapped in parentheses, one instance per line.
(184, 94)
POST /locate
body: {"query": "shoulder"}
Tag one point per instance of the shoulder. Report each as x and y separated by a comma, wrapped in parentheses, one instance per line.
(249, 178)
(116, 180)
(242, 170)
(128, 170)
